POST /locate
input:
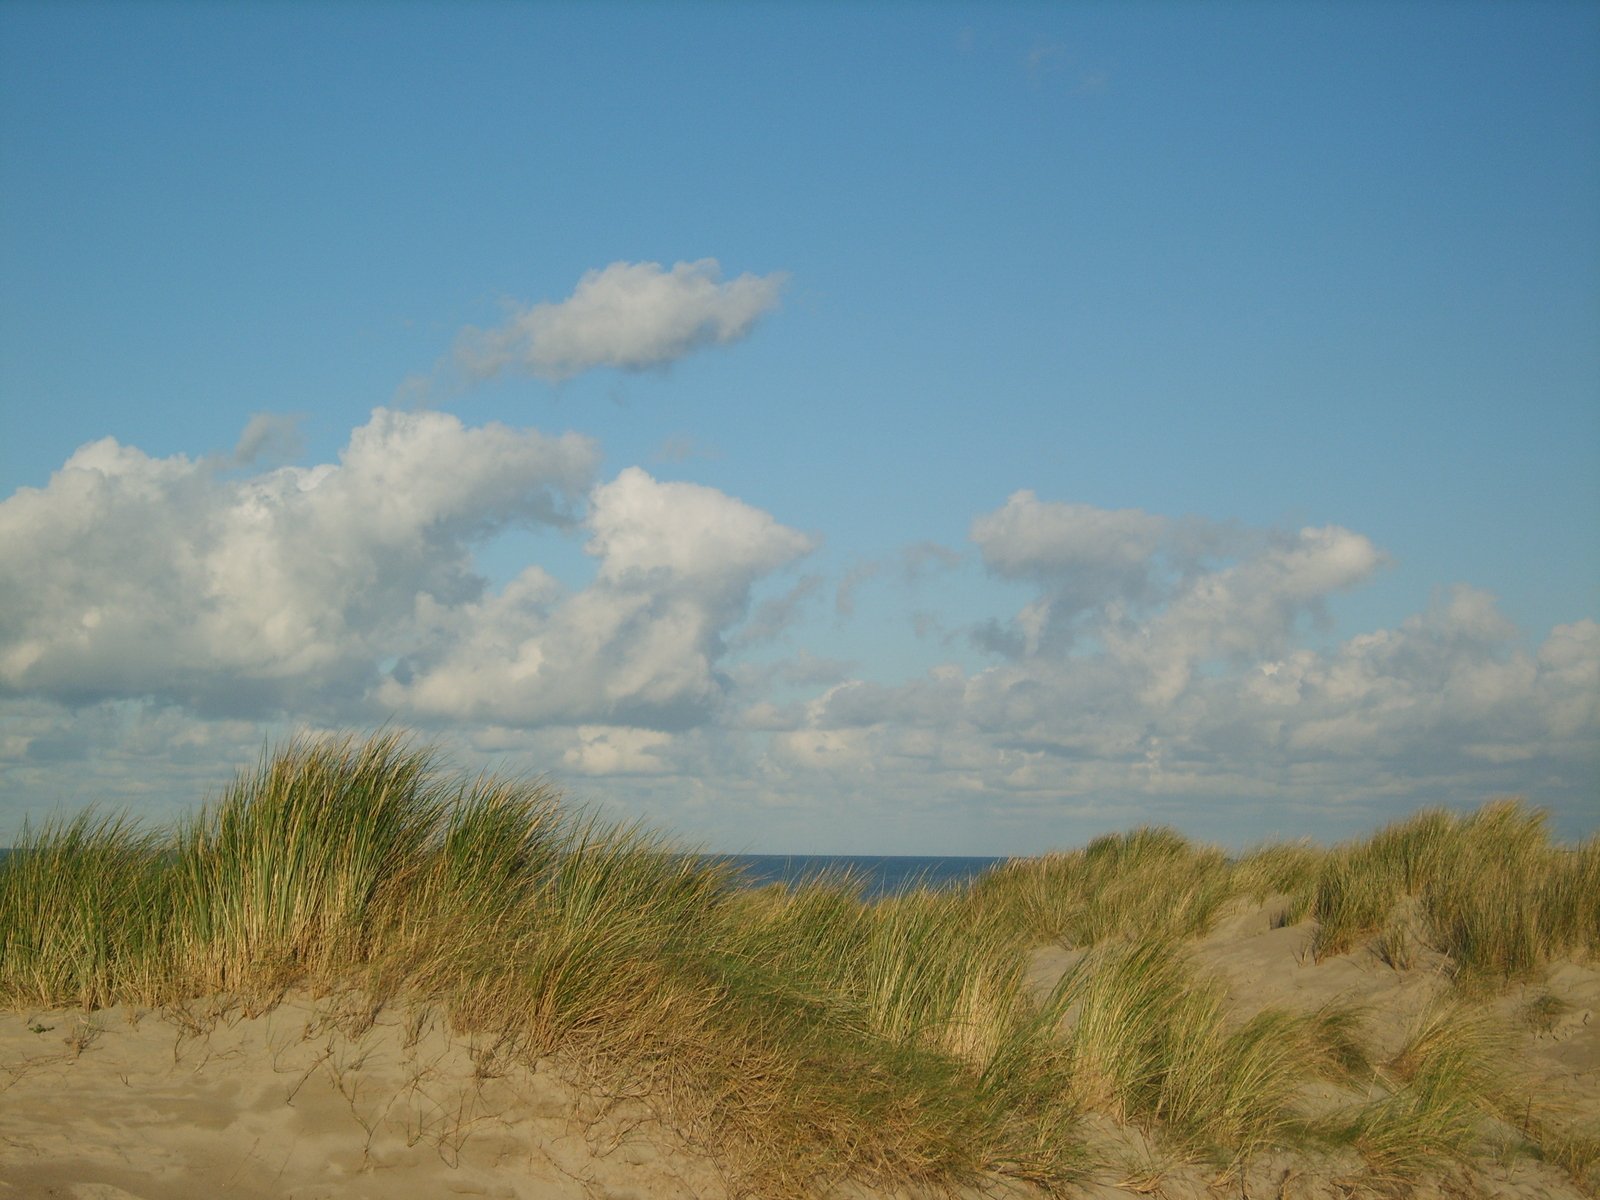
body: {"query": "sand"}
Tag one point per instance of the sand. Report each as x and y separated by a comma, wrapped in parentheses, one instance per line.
(326, 1098)
(312, 1099)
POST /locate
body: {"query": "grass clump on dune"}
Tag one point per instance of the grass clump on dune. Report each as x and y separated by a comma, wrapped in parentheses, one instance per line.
(1437, 1098)
(84, 906)
(1151, 882)
(289, 873)
(1490, 891)
(938, 994)
(1284, 868)
(1148, 1039)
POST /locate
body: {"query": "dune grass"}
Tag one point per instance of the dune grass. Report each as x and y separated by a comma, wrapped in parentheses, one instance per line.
(803, 1033)
(1445, 1082)
(1148, 883)
(83, 909)
(830, 1037)
(1491, 890)
(1148, 1039)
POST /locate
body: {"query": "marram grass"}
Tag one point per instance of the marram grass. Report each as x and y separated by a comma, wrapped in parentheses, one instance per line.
(1493, 892)
(802, 1033)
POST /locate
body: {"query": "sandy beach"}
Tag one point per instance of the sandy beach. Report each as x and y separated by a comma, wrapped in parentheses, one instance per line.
(325, 1097)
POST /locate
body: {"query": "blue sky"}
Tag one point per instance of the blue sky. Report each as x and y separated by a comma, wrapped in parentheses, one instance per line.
(924, 429)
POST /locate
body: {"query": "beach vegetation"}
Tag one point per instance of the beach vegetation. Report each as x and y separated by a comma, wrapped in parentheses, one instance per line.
(811, 1033)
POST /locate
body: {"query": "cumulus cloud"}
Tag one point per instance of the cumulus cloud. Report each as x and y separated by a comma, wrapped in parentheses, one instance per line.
(1188, 675)
(1161, 598)
(616, 750)
(1030, 539)
(1240, 611)
(644, 529)
(629, 315)
(128, 575)
(1086, 557)
(349, 588)
(1178, 591)
(1448, 680)
(676, 564)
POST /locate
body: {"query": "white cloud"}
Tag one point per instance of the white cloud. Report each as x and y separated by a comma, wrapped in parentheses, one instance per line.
(1449, 680)
(825, 750)
(676, 565)
(628, 315)
(158, 621)
(1085, 556)
(1032, 539)
(1188, 676)
(348, 589)
(130, 576)
(1238, 612)
(617, 750)
(154, 613)
(1163, 593)
(643, 528)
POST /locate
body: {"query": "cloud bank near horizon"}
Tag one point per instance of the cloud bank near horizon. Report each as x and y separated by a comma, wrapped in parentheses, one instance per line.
(157, 614)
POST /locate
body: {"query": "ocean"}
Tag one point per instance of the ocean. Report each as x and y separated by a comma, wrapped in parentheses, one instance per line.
(880, 875)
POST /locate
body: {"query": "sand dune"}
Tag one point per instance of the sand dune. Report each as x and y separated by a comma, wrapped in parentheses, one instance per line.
(327, 1098)
(312, 1099)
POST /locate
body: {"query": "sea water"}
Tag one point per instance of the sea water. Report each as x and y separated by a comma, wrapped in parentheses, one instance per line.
(879, 874)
